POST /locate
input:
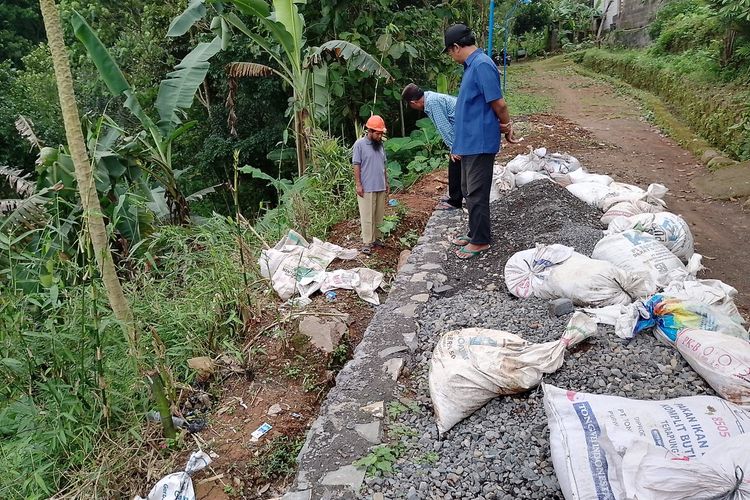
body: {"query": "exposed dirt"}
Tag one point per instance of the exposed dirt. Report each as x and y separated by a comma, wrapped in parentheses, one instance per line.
(623, 144)
(285, 369)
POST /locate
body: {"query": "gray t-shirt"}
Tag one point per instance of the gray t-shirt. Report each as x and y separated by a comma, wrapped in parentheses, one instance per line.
(371, 165)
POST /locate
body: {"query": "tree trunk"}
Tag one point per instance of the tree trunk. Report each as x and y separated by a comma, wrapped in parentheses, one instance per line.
(728, 49)
(86, 187)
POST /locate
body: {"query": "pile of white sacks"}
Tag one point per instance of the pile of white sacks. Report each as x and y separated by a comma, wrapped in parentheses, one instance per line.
(640, 276)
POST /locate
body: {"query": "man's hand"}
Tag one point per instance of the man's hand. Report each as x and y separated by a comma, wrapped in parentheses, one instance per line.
(360, 190)
(507, 129)
(455, 157)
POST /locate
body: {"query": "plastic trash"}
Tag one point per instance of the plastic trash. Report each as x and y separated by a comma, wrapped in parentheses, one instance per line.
(469, 367)
(179, 485)
(393, 202)
(331, 296)
(260, 432)
(192, 425)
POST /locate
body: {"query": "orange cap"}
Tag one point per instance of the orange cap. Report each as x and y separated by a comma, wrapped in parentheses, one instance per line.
(375, 122)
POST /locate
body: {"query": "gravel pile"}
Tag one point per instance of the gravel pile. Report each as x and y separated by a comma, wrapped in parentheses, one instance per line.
(538, 212)
(502, 451)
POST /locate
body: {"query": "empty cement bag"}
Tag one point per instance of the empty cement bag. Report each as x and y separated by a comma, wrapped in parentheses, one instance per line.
(557, 271)
(579, 424)
(628, 209)
(636, 251)
(645, 471)
(669, 229)
(179, 485)
(470, 367)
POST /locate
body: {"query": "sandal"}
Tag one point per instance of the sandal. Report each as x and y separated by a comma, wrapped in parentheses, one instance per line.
(464, 254)
(377, 243)
(444, 205)
(367, 249)
(461, 241)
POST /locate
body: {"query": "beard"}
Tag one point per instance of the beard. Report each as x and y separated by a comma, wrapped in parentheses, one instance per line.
(376, 145)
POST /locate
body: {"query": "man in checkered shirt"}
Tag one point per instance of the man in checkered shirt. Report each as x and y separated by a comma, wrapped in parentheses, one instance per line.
(440, 108)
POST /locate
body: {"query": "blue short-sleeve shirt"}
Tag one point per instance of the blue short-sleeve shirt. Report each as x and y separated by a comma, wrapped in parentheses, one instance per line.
(477, 126)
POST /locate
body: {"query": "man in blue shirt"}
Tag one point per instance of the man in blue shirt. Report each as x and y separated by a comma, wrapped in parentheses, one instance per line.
(441, 109)
(481, 115)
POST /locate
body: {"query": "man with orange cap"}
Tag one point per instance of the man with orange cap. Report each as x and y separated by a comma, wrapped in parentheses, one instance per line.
(371, 181)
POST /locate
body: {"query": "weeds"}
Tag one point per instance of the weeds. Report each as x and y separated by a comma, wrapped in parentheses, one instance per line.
(277, 459)
(380, 460)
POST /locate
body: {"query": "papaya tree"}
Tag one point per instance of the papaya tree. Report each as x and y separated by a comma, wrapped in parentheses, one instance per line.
(302, 68)
(84, 175)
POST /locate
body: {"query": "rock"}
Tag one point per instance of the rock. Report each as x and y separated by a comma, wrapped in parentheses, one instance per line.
(376, 409)
(442, 289)
(719, 162)
(347, 475)
(709, 155)
(392, 350)
(393, 367)
(371, 431)
(402, 258)
(324, 332)
(560, 307)
(274, 410)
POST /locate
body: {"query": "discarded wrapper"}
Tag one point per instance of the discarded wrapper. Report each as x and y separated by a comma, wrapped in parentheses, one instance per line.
(260, 432)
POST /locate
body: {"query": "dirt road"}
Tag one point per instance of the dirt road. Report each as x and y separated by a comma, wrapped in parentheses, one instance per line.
(609, 135)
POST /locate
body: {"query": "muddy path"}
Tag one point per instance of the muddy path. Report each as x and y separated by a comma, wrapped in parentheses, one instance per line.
(628, 147)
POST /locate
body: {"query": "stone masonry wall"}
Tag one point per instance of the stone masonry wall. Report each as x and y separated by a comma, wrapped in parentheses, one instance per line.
(637, 13)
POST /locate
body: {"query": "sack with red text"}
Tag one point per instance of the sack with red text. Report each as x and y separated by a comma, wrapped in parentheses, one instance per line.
(581, 424)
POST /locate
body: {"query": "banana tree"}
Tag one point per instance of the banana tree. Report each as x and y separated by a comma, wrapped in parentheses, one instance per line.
(175, 97)
(302, 68)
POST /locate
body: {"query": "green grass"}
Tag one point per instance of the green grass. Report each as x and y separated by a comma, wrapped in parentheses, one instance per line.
(520, 97)
(54, 410)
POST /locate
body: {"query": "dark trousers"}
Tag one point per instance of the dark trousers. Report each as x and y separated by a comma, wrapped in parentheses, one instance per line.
(455, 196)
(476, 179)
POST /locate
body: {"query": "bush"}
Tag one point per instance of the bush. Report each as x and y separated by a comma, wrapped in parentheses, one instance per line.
(698, 27)
(670, 11)
(720, 113)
